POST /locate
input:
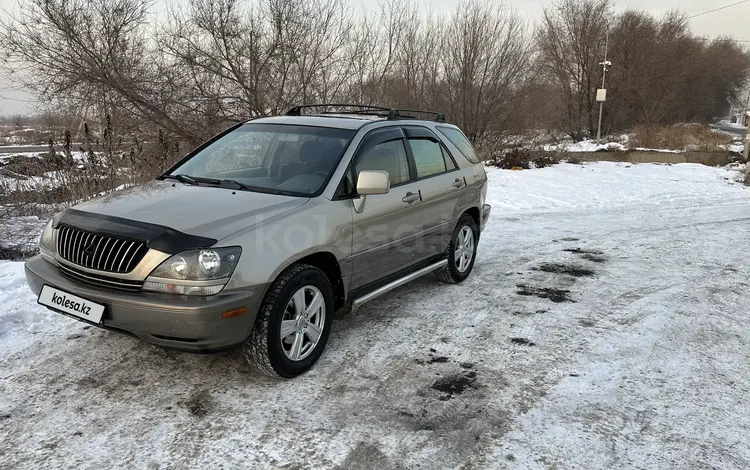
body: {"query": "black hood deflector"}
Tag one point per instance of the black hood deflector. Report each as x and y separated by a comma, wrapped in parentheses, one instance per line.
(157, 237)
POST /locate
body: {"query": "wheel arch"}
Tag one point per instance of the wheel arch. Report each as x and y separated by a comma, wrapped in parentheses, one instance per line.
(329, 264)
(475, 214)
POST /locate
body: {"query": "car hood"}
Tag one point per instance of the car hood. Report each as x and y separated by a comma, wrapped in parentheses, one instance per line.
(196, 210)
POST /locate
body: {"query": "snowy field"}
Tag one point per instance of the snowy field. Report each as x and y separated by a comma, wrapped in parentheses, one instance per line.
(605, 326)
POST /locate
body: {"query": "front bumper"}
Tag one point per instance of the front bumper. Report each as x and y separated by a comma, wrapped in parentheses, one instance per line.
(486, 209)
(176, 322)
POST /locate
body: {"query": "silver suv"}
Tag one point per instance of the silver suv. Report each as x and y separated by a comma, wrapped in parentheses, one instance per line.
(266, 233)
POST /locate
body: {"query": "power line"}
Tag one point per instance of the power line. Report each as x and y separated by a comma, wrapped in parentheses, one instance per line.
(717, 9)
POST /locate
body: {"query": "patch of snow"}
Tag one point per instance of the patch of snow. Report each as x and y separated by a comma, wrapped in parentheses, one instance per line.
(734, 125)
(585, 146)
(643, 149)
(736, 148)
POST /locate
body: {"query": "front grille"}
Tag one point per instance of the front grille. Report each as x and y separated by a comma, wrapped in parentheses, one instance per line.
(99, 252)
(100, 281)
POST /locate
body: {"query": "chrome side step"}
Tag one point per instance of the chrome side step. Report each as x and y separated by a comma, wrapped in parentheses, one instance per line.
(397, 283)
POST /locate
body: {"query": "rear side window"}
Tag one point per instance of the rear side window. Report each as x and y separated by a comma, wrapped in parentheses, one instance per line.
(428, 157)
(458, 139)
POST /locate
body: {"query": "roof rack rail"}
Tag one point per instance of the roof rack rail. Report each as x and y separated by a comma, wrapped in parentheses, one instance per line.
(391, 114)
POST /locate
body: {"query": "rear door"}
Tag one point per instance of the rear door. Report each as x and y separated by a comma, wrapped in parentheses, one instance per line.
(385, 235)
(442, 185)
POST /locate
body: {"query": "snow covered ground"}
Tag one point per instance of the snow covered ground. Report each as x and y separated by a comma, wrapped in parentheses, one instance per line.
(593, 146)
(604, 326)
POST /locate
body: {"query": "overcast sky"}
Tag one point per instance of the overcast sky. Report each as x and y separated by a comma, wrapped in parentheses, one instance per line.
(734, 22)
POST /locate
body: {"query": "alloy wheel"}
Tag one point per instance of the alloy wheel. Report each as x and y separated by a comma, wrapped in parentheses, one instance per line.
(464, 251)
(302, 323)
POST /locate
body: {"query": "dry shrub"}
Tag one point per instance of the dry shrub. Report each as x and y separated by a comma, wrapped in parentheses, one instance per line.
(53, 181)
(686, 137)
(544, 161)
(512, 158)
(520, 158)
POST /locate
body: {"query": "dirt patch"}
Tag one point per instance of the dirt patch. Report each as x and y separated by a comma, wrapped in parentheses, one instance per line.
(559, 268)
(455, 384)
(528, 314)
(594, 258)
(570, 239)
(582, 251)
(522, 341)
(438, 360)
(555, 295)
(200, 403)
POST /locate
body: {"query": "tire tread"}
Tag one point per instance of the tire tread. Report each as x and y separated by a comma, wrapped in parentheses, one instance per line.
(255, 348)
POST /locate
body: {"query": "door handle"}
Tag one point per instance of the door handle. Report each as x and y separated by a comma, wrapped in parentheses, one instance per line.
(459, 183)
(410, 198)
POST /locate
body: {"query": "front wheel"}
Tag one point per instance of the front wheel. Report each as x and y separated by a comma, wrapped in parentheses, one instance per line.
(461, 252)
(293, 323)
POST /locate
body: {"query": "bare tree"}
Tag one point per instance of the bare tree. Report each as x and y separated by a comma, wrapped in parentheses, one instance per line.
(571, 44)
(87, 52)
(487, 63)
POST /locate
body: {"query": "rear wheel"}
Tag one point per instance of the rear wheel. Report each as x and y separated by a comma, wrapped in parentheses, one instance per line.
(293, 323)
(461, 252)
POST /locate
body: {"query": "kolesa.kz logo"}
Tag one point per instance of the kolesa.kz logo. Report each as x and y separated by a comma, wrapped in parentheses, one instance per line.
(63, 301)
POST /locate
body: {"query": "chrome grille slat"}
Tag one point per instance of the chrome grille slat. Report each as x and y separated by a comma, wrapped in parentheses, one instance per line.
(130, 266)
(79, 248)
(69, 245)
(98, 240)
(76, 244)
(68, 242)
(124, 256)
(101, 254)
(113, 259)
(59, 241)
(106, 253)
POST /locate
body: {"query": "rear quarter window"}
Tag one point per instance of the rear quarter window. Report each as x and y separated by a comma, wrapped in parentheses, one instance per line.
(457, 138)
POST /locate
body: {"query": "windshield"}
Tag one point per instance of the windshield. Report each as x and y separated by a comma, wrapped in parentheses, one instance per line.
(275, 158)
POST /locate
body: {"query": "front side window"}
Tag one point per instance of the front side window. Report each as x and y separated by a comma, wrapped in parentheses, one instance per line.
(284, 159)
(458, 139)
(388, 156)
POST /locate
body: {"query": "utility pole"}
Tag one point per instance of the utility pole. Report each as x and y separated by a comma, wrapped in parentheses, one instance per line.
(601, 94)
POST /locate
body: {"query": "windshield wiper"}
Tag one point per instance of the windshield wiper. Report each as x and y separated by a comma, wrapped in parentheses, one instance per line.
(181, 178)
(223, 183)
(247, 187)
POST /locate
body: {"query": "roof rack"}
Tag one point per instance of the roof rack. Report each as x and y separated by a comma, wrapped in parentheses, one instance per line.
(391, 114)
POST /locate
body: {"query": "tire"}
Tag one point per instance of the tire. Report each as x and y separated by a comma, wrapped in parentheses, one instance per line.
(265, 349)
(452, 272)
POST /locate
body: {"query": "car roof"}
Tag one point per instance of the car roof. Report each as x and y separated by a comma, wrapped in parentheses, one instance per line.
(353, 122)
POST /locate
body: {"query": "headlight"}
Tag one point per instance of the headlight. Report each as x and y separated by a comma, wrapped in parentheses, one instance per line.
(194, 272)
(47, 242)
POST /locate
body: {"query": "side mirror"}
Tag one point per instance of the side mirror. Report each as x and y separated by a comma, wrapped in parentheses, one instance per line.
(373, 182)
